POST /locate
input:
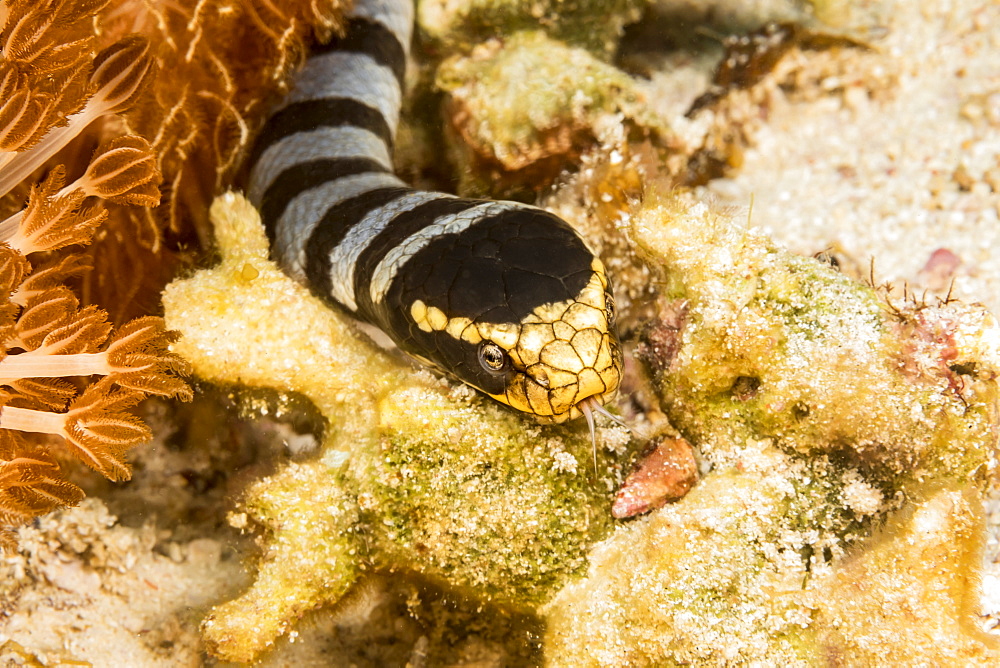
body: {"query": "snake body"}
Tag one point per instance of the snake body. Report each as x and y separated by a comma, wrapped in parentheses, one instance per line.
(501, 295)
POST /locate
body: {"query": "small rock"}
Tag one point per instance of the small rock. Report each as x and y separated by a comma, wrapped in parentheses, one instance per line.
(665, 474)
(940, 269)
(72, 576)
(204, 552)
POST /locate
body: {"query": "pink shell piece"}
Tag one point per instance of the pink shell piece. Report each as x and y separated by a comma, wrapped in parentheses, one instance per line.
(665, 474)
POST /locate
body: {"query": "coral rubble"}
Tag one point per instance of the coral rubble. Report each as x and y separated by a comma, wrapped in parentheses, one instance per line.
(84, 589)
(573, 96)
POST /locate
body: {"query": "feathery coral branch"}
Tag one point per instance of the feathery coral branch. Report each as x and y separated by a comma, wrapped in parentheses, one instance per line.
(96, 427)
(53, 218)
(50, 275)
(122, 171)
(135, 359)
(51, 89)
(119, 74)
(31, 484)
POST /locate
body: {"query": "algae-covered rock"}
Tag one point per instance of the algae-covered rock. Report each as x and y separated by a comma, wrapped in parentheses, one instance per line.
(713, 580)
(311, 558)
(784, 347)
(849, 441)
(910, 594)
(479, 498)
(719, 579)
(595, 25)
(821, 413)
(532, 104)
(414, 475)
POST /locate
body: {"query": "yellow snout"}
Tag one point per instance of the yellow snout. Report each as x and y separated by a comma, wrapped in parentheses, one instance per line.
(563, 354)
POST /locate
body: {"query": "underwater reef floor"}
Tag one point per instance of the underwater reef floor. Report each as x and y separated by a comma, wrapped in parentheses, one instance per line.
(911, 180)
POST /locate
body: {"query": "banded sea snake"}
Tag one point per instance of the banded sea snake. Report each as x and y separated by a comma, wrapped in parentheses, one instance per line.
(503, 296)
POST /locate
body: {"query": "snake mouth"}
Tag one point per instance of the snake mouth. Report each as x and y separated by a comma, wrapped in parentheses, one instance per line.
(588, 406)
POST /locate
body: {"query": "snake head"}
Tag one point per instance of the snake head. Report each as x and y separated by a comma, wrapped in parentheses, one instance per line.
(562, 356)
(558, 359)
(518, 307)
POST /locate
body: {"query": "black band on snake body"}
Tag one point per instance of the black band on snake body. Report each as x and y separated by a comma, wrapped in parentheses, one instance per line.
(503, 296)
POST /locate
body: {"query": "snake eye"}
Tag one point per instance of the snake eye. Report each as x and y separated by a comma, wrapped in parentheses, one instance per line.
(492, 357)
(609, 308)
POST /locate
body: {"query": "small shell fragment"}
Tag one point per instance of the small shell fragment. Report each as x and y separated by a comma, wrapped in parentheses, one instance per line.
(665, 474)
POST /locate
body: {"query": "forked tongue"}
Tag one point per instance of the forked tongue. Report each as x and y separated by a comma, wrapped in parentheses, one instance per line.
(588, 407)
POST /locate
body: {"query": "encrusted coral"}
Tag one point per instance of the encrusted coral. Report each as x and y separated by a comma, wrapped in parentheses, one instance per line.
(720, 579)
(820, 408)
(414, 473)
(783, 347)
(418, 476)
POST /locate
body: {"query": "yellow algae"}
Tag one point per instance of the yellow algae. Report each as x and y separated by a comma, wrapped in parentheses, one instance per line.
(310, 560)
(265, 330)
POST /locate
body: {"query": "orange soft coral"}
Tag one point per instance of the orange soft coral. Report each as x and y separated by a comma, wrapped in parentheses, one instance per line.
(52, 89)
(219, 67)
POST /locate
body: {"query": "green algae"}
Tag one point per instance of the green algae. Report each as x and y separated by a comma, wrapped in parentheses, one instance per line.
(473, 496)
(593, 24)
(530, 104)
